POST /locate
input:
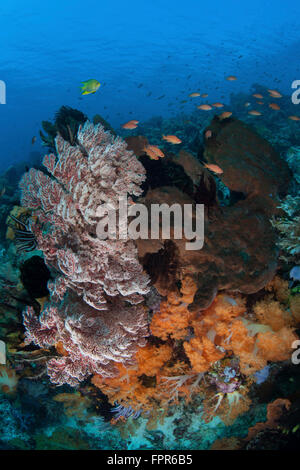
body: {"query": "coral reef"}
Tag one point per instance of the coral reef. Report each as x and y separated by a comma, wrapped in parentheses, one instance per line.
(239, 251)
(201, 358)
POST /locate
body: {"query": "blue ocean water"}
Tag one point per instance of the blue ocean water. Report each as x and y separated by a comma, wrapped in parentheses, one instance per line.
(170, 47)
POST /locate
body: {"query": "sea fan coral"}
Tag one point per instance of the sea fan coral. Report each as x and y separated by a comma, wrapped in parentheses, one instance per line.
(87, 316)
(92, 340)
(85, 177)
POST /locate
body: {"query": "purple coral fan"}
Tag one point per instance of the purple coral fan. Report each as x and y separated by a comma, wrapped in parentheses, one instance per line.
(87, 314)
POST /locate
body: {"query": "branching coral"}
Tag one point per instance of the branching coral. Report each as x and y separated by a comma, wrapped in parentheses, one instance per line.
(87, 315)
(179, 381)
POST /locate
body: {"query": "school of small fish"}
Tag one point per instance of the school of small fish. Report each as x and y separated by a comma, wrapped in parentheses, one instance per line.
(154, 152)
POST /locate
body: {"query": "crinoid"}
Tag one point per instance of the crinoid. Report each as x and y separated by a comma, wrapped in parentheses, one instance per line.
(24, 237)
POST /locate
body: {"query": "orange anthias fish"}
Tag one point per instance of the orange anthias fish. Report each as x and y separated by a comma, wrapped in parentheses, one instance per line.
(274, 106)
(204, 95)
(215, 168)
(275, 94)
(255, 113)
(153, 152)
(258, 95)
(194, 95)
(294, 118)
(204, 107)
(208, 134)
(218, 105)
(172, 139)
(231, 78)
(130, 124)
(225, 115)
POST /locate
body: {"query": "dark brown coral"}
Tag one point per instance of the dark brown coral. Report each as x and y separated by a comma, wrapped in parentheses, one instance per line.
(239, 252)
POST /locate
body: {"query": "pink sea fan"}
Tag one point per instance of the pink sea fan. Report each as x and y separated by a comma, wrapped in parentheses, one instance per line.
(93, 310)
(86, 176)
(93, 340)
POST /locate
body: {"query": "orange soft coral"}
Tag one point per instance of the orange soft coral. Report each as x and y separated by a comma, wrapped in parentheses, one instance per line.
(221, 329)
(276, 346)
(243, 346)
(173, 318)
(171, 321)
(212, 329)
(151, 358)
(202, 353)
(136, 386)
(162, 374)
(280, 289)
(271, 312)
